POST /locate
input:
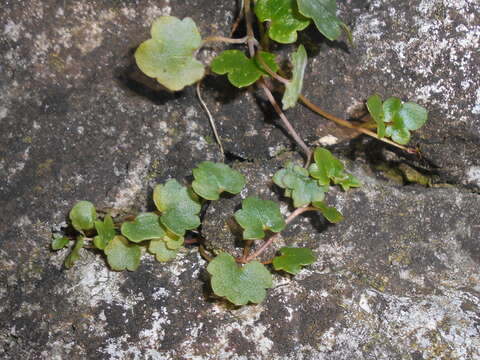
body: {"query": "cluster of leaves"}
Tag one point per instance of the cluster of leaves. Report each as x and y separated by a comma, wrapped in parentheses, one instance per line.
(162, 232)
(395, 118)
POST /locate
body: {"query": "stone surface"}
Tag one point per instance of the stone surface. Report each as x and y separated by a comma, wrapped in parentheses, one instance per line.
(398, 279)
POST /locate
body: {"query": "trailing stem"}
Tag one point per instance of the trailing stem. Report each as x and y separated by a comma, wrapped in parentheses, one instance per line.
(270, 241)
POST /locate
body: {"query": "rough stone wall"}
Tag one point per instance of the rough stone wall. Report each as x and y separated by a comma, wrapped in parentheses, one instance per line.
(398, 279)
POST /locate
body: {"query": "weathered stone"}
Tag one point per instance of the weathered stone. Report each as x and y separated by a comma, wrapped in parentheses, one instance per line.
(398, 279)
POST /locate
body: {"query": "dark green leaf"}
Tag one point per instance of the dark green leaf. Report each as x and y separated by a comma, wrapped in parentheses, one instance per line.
(374, 106)
(330, 213)
(294, 88)
(75, 253)
(211, 179)
(239, 285)
(299, 185)
(179, 206)
(169, 55)
(241, 70)
(146, 226)
(122, 254)
(328, 168)
(83, 216)
(59, 241)
(258, 215)
(292, 259)
(323, 13)
(285, 20)
(106, 232)
(162, 253)
(391, 106)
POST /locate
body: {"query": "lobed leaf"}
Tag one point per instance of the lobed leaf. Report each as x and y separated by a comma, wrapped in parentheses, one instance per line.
(179, 207)
(169, 55)
(292, 259)
(294, 88)
(106, 232)
(59, 241)
(330, 213)
(146, 226)
(396, 119)
(258, 215)
(241, 70)
(162, 253)
(122, 254)
(211, 179)
(83, 215)
(239, 285)
(284, 17)
(75, 253)
(328, 168)
(299, 185)
(374, 106)
(323, 14)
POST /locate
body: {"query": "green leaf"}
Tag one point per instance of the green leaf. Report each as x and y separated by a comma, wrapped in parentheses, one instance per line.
(106, 232)
(179, 206)
(330, 213)
(294, 88)
(391, 107)
(59, 241)
(211, 179)
(258, 215)
(169, 55)
(401, 118)
(299, 185)
(241, 70)
(292, 259)
(328, 168)
(75, 253)
(162, 253)
(172, 241)
(374, 106)
(413, 115)
(146, 226)
(323, 13)
(122, 254)
(239, 284)
(83, 216)
(285, 19)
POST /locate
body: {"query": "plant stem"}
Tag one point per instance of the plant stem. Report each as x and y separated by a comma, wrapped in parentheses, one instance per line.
(251, 48)
(210, 118)
(347, 124)
(269, 242)
(270, 71)
(239, 18)
(225, 40)
(203, 252)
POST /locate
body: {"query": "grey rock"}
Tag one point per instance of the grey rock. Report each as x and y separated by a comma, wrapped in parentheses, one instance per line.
(398, 279)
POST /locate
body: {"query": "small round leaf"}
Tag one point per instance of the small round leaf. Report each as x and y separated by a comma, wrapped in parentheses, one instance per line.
(162, 253)
(146, 226)
(122, 254)
(258, 215)
(239, 285)
(292, 259)
(211, 179)
(106, 232)
(83, 216)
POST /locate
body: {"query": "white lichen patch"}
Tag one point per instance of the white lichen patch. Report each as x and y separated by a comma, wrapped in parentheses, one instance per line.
(473, 175)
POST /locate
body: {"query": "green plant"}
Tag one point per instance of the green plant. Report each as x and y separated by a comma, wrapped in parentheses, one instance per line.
(161, 232)
(169, 56)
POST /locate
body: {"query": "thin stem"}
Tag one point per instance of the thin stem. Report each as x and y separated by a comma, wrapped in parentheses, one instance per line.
(246, 248)
(290, 129)
(250, 35)
(269, 242)
(210, 118)
(225, 40)
(347, 124)
(204, 254)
